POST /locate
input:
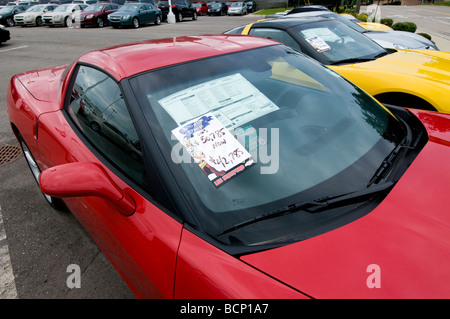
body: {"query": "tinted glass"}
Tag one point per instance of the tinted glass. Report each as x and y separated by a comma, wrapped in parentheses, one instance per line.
(250, 132)
(336, 42)
(99, 110)
(275, 34)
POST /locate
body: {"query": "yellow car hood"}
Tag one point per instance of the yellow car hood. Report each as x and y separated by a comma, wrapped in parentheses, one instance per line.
(430, 65)
(423, 73)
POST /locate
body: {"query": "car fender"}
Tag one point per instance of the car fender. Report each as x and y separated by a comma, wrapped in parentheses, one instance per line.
(379, 82)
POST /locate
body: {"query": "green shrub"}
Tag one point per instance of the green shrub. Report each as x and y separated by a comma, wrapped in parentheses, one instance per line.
(387, 21)
(405, 26)
(426, 35)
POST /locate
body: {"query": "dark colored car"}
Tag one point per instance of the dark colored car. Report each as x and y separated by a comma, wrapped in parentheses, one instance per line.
(251, 6)
(300, 9)
(4, 34)
(96, 14)
(153, 2)
(180, 8)
(217, 8)
(60, 1)
(7, 14)
(135, 14)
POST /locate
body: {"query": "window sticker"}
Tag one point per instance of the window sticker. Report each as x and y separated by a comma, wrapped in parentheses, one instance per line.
(318, 44)
(218, 153)
(232, 99)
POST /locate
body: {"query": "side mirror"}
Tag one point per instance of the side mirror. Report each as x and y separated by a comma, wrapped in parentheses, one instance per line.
(85, 179)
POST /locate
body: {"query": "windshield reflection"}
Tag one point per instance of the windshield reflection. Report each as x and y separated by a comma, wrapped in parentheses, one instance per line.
(302, 132)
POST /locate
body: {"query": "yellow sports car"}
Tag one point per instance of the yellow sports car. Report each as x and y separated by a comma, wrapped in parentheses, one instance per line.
(408, 78)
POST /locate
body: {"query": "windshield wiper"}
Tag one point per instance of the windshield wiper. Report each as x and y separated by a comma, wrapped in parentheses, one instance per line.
(389, 162)
(313, 205)
(379, 55)
(352, 60)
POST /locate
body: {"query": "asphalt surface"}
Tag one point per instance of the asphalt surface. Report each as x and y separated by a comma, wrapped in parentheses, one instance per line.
(37, 243)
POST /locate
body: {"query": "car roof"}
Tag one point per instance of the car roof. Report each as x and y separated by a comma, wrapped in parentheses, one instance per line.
(286, 23)
(308, 8)
(130, 59)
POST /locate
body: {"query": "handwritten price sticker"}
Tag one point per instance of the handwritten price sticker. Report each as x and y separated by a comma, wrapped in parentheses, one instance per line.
(218, 153)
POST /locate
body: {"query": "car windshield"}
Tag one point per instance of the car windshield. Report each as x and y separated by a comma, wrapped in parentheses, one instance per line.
(129, 7)
(35, 9)
(93, 8)
(336, 43)
(236, 4)
(247, 133)
(215, 5)
(6, 10)
(62, 8)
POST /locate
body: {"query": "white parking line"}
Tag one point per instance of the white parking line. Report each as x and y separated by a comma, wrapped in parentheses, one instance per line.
(24, 46)
(7, 283)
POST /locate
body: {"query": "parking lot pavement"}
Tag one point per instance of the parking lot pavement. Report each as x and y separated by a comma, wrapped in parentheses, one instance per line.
(38, 244)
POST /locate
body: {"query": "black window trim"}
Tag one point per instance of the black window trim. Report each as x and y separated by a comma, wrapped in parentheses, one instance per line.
(140, 189)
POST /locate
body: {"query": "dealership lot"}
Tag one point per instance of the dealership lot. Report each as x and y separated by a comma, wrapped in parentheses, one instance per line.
(37, 244)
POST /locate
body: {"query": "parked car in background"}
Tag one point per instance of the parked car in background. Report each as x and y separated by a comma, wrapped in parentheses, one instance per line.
(408, 78)
(4, 34)
(251, 6)
(298, 9)
(86, 2)
(352, 188)
(62, 15)
(135, 15)
(237, 8)
(7, 14)
(217, 8)
(228, 3)
(153, 2)
(19, 3)
(201, 7)
(59, 2)
(180, 8)
(388, 39)
(95, 15)
(33, 15)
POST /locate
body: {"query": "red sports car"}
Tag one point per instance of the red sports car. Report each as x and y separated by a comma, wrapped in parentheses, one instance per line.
(226, 166)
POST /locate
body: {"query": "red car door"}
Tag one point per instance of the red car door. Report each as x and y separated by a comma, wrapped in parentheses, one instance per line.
(95, 127)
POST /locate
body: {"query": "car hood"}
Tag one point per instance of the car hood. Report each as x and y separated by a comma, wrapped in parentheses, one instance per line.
(401, 40)
(53, 13)
(425, 64)
(86, 13)
(403, 245)
(43, 84)
(122, 13)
